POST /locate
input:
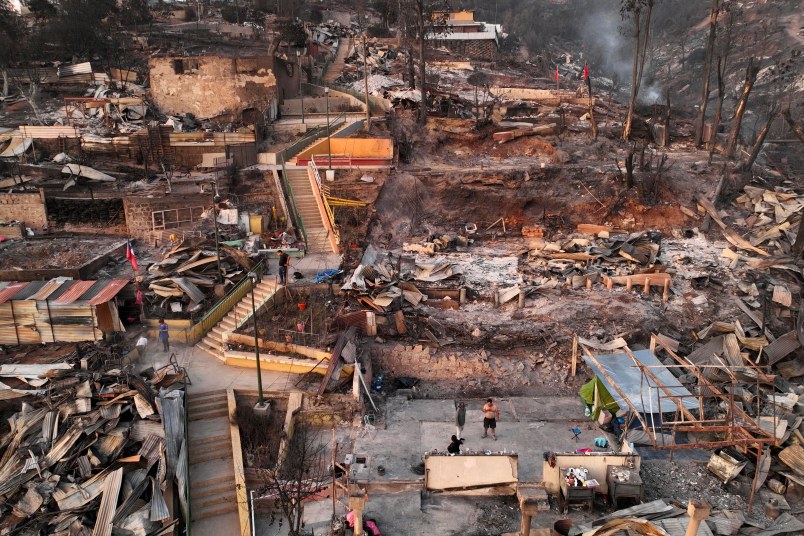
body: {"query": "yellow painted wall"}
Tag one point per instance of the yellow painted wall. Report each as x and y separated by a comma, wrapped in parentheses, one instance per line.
(353, 147)
(451, 472)
(597, 464)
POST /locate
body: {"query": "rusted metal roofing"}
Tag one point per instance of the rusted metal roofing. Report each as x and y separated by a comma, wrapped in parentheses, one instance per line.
(32, 288)
(13, 288)
(109, 291)
(74, 292)
(49, 288)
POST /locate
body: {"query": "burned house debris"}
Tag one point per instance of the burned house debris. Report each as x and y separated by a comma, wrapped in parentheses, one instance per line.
(486, 268)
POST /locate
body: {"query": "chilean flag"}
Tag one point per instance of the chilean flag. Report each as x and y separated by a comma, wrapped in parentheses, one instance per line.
(132, 258)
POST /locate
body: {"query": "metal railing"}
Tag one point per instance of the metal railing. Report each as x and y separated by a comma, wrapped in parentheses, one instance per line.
(222, 308)
(319, 132)
(323, 192)
(292, 198)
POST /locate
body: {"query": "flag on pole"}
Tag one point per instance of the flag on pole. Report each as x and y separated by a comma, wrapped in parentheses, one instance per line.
(585, 72)
(132, 258)
(556, 73)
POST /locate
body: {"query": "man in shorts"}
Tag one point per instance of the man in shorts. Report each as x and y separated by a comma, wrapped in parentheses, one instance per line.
(491, 414)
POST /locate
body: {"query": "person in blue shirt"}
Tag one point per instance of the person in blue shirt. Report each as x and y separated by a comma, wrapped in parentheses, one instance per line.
(163, 334)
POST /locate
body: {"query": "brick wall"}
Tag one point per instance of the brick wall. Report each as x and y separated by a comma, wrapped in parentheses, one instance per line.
(138, 209)
(27, 207)
(211, 86)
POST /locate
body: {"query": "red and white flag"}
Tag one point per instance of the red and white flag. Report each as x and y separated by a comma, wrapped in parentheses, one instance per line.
(132, 258)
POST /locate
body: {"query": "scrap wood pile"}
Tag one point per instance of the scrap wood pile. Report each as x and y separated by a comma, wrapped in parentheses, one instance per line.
(387, 296)
(102, 451)
(771, 223)
(610, 257)
(184, 280)
(383, 287)
(665, 516)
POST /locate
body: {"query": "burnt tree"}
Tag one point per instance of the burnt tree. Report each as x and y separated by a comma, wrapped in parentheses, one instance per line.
(751, 73)
(640, 12)
(707, 73)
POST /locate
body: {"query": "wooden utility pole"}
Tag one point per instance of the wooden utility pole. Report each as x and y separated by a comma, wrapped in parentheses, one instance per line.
(365, 77)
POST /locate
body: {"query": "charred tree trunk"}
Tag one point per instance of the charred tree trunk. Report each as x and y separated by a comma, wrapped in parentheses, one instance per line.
(721, 95)
(710, 51)
(411, 71)
(629, 170)
(751, 73)
(797, 130)
(422, 64)
(760, 140)
(634, 81)
(798, 246)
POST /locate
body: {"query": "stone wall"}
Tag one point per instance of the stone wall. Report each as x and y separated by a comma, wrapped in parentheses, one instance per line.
(27, 207)
(474, 368)
(138, 209)
(212, 86)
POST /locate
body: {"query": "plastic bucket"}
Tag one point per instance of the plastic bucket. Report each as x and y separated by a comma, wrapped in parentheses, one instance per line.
(562, 527)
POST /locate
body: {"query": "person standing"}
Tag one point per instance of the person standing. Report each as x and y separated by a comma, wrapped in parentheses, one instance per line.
(163, 334)
(491, 414)
(141, 345)
(460, 418)
(284, 263)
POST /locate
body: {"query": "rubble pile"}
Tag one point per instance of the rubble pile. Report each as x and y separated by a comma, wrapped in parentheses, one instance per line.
(185, 279)
(97, 450)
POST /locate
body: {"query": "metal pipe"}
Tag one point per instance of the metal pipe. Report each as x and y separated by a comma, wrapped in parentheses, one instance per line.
(260, 400)
(251, 503)
(301, 90)
(329, 138)
(215, 201)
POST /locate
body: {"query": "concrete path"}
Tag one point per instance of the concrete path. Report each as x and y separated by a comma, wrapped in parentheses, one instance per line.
(417, 426)
(335, 68)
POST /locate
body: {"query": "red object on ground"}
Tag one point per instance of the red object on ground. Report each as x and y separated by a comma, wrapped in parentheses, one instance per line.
(302, 306)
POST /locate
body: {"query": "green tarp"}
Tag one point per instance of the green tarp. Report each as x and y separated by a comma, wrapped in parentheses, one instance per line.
(596, 395)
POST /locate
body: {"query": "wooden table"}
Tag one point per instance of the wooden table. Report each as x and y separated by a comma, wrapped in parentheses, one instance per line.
(633, 488)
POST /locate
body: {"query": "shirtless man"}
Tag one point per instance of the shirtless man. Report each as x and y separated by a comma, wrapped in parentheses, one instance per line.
(491, 414)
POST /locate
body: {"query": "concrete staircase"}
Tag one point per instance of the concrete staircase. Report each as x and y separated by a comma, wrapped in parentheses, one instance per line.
(317, 234)
(335, 68)
(213, 343)
(213, 499)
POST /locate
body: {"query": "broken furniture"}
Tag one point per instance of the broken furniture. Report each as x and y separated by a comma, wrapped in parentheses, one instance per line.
(622, 483)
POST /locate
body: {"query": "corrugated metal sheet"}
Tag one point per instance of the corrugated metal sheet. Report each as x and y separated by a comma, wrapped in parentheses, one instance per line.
(111, 492)
(49, 132)
(793, 457)
(75, 291)
(642, 393)
(781, 347)
(49, 288)
(159, 508)
(32, 288)
(173, 419)
(13, 288)
(78, 68)
(109, 291)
